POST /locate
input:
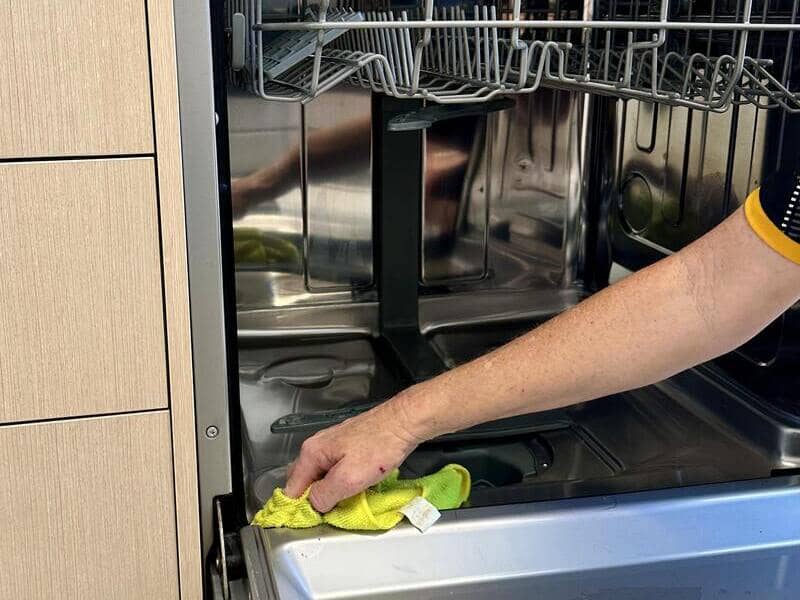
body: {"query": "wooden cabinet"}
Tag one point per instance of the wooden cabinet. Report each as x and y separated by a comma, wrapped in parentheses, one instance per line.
(81, 307)
(74, 78)
(88, 509)
(94, 307)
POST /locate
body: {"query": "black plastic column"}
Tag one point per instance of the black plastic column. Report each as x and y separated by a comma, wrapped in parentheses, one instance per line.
(397, 210)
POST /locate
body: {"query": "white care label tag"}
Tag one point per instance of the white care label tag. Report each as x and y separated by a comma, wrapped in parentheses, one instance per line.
(421, 513)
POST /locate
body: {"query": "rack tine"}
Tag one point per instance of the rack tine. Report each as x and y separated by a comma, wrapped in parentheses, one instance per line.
(453, 42)
(386, 48)
(401, 68)
(465, 40)
(496, 49)
(445, 43)
(423, 45)
(477, 33)
(455, 14)
(405, 44)
(788, 58)
(486, 51)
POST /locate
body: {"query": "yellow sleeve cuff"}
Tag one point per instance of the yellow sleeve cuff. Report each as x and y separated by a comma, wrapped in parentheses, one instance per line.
(768, 231)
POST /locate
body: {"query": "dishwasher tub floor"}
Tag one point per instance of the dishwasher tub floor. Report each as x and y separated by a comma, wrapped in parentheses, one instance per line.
(627, 442)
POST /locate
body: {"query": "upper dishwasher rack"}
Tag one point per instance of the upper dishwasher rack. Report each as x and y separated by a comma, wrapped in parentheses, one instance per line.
(702, 54)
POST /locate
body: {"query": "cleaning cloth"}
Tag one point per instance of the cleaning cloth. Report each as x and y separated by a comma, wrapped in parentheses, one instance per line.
(376, 508)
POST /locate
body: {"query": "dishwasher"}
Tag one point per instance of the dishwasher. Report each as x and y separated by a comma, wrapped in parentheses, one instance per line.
(396, 187)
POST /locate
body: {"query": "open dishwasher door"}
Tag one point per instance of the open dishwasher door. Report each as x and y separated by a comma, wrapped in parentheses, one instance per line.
(738, 540)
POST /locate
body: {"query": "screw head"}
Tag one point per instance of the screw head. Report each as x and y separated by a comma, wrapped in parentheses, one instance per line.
(212, 431)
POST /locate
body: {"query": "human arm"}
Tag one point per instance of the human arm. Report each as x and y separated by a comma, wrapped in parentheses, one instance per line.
(699, 303)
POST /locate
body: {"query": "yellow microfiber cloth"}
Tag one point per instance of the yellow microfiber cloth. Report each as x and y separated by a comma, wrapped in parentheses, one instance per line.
(374, 509)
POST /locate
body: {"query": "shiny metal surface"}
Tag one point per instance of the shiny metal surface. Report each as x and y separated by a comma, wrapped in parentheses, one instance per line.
(302, 193)
(200, 184)
(502, 194)
(710, 393)
(437, 312)
(338, 191)
(484, 307)
(623, 547)
(453, 247)
(674, 166)
(646, 439)
(316, 223)
(308, 322)
(276, 381)
(681, 172)
(265, 145)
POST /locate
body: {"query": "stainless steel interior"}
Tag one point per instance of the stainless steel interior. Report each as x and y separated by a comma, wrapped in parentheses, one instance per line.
(525, 212)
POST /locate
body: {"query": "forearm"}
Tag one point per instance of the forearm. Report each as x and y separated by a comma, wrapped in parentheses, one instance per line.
(691, 307)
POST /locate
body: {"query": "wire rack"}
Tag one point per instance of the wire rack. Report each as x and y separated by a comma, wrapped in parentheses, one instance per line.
(702, 54)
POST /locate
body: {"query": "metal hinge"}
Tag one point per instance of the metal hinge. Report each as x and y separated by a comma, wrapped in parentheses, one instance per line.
(228, 562)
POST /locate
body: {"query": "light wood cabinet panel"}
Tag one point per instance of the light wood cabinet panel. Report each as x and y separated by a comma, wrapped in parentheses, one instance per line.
(176, 293)
(74, 78)
(88, 509)
(81, 310)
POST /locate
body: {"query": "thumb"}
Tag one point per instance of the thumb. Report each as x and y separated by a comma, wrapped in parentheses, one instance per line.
(302, 473)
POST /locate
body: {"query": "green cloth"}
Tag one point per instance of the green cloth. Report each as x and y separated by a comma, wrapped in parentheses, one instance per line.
(374, 509)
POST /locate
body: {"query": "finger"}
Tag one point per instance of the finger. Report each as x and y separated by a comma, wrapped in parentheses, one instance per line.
(302, 473)
(342, 481)
(290, 469)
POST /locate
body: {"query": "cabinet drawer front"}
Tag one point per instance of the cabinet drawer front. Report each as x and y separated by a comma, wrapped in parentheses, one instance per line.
(75, 78)
(81, 309)
(88, 509)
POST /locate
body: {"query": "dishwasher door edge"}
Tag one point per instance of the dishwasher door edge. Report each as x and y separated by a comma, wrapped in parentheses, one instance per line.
(738, 537)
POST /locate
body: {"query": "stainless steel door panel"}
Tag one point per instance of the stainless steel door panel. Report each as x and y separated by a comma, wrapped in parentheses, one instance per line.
(725, 541)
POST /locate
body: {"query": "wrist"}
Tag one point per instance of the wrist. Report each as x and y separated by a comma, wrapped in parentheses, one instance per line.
(419, 411)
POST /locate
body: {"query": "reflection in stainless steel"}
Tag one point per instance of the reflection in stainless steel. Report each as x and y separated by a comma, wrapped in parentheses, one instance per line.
(265, 142)
(301, 193)
(501, 201)
(302, 352)
(535, 182)
(678, 183)
(673, 172)
(338, 191)
(454, 248)
(436, 313)
(503, 196)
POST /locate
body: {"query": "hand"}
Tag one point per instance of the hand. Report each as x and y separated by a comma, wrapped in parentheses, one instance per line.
(349, 457)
